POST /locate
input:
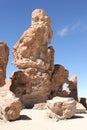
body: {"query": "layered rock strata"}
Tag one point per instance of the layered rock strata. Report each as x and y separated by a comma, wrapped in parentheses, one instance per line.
(4, 53)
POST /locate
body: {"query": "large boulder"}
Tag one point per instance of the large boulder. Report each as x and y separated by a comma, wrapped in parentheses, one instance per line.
(31, 86)
(10, 106)
(61, 108)
(4, 53)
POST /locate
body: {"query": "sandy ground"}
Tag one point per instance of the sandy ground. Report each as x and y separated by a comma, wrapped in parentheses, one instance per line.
(38, 120)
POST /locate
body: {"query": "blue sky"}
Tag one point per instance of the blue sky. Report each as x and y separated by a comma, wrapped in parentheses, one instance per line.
(69, 25)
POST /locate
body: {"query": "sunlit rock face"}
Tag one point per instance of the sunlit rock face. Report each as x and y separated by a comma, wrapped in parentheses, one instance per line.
(32, 84)
(4, 53)
(10, 106)
(31, 51)
(38, 78)
(61, 107)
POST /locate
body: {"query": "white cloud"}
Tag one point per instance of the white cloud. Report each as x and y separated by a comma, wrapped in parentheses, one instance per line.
(72, 28)
(63, 31)
(76, 26)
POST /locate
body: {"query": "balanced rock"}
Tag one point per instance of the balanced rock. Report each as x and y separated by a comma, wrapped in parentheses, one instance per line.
(38, 79)
(10, 106)
(31, 51)
(4, 53)
(61, 108)
(32, 84)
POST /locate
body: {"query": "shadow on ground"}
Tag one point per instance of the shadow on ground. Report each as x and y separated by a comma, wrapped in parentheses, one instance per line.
(24, 117)
(76, 117)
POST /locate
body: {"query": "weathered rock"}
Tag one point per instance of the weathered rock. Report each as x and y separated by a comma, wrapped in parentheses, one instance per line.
(10, 106)
(31, 86)
(80, 108)
(39, 79)
(59, 77)
(4, 53)
(61, 108)
(72, 87)
(31, 51)
(83, 101)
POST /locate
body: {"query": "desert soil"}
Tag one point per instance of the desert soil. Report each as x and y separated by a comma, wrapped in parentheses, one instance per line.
(31, 119)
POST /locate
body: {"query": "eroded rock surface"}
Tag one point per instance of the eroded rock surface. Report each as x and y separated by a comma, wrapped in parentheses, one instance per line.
(61, 108)
(31, 86)
(80, 108)
(4, 53)
(10, 106)
(38, 79)
(72, 87)
(31, 51)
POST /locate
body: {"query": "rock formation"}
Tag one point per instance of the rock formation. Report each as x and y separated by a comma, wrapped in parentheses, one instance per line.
(38, 78)
(10, 106)
(4, 53)
(61, 108)
(72, 87)
(31, 51)
(83, 101)
(36, 61)
(80, 108)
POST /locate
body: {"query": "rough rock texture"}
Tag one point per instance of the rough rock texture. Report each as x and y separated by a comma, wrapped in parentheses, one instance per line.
(4, 53)
(10, 106)
(72, 87)
(80, 108)
(31, 86)
(61, 108)
(31, 51)
(59, 77)
(83, 101)
(38, 79)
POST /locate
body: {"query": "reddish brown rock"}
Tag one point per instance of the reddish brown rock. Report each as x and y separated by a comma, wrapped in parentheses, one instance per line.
(31, 51)
(72, 87)
(80, 108)
(4, 53)
(31, 86)
(39, 79)
(59, 77)
(83, 101)
(10, 106)
(61, 108)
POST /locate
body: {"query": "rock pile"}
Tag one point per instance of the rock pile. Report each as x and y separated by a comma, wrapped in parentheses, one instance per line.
(38, 79)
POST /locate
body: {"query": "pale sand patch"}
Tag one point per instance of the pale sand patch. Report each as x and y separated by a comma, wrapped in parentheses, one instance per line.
(38, 120)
